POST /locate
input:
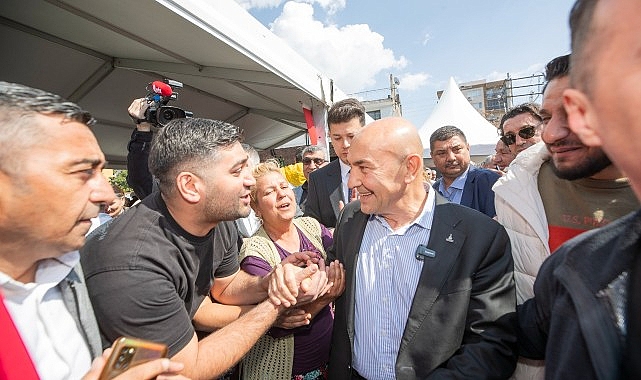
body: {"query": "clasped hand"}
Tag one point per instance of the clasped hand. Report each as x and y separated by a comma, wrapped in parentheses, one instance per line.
(298, 279)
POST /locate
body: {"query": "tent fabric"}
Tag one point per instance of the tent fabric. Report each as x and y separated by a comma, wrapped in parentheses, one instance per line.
(101, 55)
(454, 109)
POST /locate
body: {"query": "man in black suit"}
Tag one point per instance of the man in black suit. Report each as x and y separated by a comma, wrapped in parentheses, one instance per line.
(429, 283)
(461, 182)
(327, 190)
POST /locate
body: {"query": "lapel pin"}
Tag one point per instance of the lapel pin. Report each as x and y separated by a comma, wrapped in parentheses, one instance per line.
(449, 239)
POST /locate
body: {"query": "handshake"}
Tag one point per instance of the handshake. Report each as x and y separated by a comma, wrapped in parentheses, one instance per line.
(301, 284)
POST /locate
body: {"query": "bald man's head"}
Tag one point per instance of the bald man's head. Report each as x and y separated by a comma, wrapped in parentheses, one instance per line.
(387, 166)
(394, 135)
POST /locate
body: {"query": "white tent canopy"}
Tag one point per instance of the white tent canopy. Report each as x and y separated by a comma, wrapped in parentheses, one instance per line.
(454, 109)
(101, 55)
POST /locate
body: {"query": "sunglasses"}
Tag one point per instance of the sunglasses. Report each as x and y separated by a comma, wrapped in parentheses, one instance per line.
(526, 133)
(317, 161)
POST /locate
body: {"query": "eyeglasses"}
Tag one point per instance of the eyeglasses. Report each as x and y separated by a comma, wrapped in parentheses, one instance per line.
(526, 132)
(317, 161)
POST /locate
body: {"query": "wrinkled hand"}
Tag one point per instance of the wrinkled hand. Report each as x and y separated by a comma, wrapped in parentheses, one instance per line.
(154, 369)
(301, 258)
(290, 285)
(292, 318)
(335, 276)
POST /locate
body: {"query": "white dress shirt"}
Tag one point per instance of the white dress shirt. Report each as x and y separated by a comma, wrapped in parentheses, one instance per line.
(46, 327)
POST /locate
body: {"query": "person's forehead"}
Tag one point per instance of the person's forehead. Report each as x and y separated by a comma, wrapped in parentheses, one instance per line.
(271, 177)
(554, 90)
(314, 154)
(79, 142)
(348, 127)
(452, 142)
(519, 121)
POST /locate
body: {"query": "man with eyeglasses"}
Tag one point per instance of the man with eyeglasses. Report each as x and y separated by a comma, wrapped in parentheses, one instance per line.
(520, 127)
(554, 191)
(314, 157)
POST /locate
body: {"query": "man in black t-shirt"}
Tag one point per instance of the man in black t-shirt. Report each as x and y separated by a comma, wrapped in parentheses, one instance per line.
(149, 271)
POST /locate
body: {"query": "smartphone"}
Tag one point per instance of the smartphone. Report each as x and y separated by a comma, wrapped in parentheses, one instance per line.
(129, 352)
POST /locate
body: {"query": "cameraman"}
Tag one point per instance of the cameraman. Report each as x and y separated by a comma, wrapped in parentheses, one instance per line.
(138, 176)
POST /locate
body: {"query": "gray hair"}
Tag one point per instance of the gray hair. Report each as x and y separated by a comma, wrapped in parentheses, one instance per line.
(19, 104)
(311, 149)
(185, 144)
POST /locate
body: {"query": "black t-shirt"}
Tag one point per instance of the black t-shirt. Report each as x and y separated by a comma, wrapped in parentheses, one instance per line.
(147, 276)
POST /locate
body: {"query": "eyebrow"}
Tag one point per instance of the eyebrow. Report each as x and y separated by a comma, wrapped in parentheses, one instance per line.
(92, 161)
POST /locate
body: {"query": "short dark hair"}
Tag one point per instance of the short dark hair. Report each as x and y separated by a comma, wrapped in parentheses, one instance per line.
(186, 145)
(581, 16)
(531, 108)
(559, 67)
(345, 110)
(445, 133)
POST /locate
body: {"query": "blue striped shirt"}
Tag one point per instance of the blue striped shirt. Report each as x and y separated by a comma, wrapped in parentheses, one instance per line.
(454, 193)
(387, 275)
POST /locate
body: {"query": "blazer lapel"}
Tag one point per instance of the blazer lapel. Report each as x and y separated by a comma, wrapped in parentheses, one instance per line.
(334, 186)
(353, 246)
(447, 242)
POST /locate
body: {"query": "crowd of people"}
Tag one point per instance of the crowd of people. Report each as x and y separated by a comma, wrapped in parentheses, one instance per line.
(525, 267)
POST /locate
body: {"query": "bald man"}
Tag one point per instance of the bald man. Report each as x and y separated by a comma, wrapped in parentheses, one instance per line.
(423, 299)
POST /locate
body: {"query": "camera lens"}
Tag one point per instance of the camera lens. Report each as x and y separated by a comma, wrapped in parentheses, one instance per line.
(168, 114)
(125, 357)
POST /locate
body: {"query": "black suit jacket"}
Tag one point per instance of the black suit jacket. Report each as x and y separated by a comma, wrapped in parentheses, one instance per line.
(323, 194)
(477, 191)
(462, 323)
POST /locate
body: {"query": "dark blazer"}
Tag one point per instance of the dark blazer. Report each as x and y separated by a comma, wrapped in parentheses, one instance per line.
(477, 192)
(323, 194)
(462, 323)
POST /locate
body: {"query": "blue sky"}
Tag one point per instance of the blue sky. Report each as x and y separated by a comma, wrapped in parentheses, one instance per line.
(359, 43)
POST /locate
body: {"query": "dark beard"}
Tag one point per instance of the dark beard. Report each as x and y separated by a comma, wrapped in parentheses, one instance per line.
(587, 168)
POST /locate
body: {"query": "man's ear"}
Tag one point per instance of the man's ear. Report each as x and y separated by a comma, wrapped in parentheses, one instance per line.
(189, 186)
(413, 164)
(582, 119)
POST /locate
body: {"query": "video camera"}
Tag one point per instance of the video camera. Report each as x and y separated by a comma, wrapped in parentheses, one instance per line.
(158, 95)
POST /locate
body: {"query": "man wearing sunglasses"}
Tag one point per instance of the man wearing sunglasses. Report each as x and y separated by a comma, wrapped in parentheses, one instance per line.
(314, 157)
(520, 127)
(554, 191)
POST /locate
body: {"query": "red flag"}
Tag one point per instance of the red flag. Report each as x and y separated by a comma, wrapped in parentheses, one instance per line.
(311, 128)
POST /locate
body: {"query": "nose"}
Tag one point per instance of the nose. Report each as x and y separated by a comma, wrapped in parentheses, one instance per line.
(101, 191)
(347, 142)
(354, 178)
(248, 178)
(450, 155)
(556, 129)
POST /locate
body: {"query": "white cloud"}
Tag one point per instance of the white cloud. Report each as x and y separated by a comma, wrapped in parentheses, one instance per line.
(330, 6)
(426, 38)
(411, 82)
(250, 4)
(352, 55)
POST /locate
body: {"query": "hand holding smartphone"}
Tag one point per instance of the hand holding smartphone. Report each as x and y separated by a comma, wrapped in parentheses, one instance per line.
(129, 352)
